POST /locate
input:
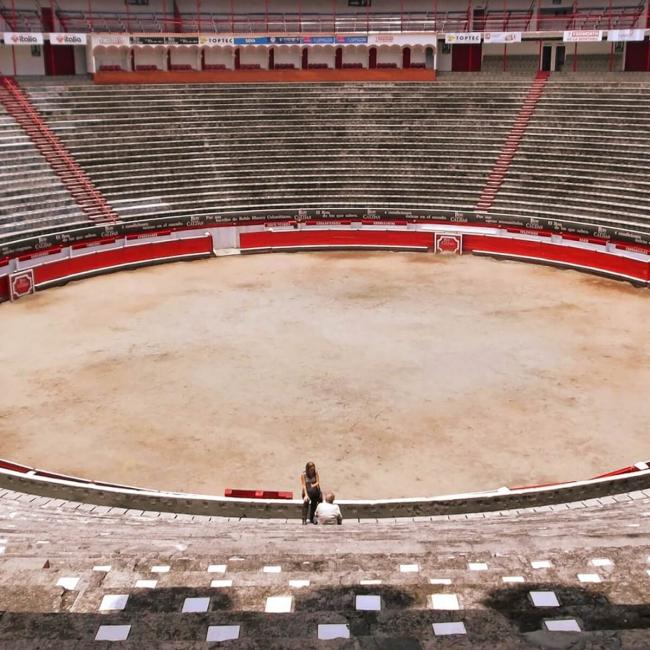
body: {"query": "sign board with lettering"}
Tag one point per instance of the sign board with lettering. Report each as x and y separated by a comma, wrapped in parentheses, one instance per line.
(462, 38)
(583, 36)
(402, 39)
(111, 40)
(502, 37)
(22, 38)
(625, 35)
(67, 38)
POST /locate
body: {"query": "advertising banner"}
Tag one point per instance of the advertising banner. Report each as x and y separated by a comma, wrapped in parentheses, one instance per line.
(402, 39)
(583, 36)
(59, 38)
(182, 40)
(463, 38)
(216, 41)
(164, 40)
(110, 40)
(502, 37)
(22, 38)
(625, 34)
(147, 40)
(295, 40)
(251, 40)
(36, 243)
(318, 40)
(351, 40)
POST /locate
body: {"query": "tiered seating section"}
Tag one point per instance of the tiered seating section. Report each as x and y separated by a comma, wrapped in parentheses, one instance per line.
(227, 150)
(584, 156)
(221, 152)
(32, 196)
(73, 573)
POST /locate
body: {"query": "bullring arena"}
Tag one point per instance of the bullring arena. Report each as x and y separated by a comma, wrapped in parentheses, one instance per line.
(388, 368)
(408, 241)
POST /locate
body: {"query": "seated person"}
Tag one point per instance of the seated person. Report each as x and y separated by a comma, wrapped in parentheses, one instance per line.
(327, 512)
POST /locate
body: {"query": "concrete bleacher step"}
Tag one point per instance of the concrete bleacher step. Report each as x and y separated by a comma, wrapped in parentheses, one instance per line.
(61, 562)
(16, 104)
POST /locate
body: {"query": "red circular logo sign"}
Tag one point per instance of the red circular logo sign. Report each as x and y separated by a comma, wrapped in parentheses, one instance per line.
(448, 244)
(22, 285)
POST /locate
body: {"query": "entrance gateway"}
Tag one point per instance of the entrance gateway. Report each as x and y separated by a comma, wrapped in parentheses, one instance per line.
(553, 57)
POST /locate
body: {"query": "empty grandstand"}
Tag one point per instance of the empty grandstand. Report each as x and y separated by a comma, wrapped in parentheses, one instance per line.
(149, 131)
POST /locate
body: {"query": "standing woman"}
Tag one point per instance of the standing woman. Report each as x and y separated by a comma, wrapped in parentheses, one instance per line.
(311, 493)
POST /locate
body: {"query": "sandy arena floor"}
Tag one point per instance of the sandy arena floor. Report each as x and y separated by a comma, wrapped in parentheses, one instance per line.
(398, 374)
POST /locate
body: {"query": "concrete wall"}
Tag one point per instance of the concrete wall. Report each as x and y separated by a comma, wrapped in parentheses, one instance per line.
(151, 56)
(324, 54)
(390, 54)
(254, 55)
(288, 55)
(353, 54)
(260, 508)
(112, 56)
(443, 58)
(185, 56)
(219, 56)
(28, 62)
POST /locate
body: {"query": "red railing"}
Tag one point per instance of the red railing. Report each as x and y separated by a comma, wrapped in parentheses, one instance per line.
(81, 188)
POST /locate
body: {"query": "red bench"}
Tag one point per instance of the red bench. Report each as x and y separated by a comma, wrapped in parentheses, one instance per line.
(257, 494)
(145, 68)
(180, 66)
(214, 66)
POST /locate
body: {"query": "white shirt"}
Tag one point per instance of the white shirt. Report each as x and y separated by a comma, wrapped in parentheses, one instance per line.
(327, 513)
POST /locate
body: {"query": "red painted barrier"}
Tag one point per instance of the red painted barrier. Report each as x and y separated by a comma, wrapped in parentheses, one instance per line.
(150, 249)
(257, 494)
(618, 472)
(123, 256)
(336, 238)
(14, 467)
(579, 257)
(4, 288)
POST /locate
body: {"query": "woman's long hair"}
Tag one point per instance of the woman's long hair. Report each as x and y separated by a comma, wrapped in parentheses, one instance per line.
(310, 469)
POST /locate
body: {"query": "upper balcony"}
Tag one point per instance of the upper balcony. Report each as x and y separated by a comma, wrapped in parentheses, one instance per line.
(548, 19)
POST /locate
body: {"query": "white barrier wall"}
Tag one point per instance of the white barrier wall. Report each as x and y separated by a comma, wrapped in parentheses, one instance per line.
(501, 499)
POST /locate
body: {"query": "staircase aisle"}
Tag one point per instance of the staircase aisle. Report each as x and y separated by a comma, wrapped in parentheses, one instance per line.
(86, 195)
(510, 146)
